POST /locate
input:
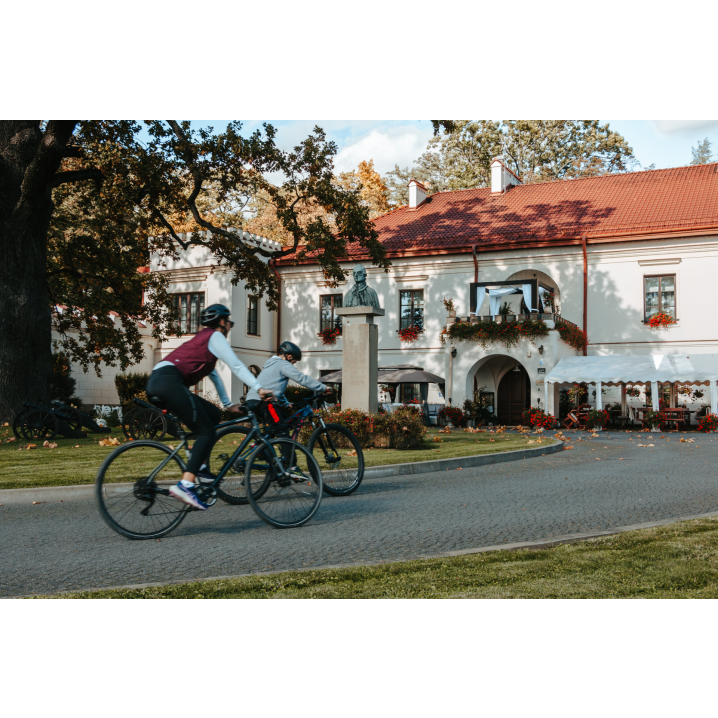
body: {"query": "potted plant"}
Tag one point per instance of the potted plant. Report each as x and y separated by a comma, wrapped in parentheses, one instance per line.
(450, 306)
(660, 321)
(329, 336)
(708, 424)
(596, 419)
(653, 420)
(408, 335)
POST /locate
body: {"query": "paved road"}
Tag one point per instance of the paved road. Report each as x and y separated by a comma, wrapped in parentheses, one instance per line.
(55, 547)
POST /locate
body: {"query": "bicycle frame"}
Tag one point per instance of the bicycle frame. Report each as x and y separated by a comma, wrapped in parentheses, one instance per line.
(254, 435)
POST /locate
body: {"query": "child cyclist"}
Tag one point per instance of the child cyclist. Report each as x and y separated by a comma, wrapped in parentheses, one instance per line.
(275, 376)
(186, 366)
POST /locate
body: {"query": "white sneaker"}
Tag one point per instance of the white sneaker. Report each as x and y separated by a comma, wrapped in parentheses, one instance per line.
(188, 496)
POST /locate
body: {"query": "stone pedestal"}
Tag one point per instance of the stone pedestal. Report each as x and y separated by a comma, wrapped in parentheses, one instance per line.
(360, 358)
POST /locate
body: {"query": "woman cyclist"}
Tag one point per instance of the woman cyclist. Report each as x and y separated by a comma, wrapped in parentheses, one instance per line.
(186, 366)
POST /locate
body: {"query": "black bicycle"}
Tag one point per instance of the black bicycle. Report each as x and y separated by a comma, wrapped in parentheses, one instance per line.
(282, 481)
(335, 448)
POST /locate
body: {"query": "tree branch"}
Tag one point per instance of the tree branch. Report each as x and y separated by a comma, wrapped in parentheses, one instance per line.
(76, 176)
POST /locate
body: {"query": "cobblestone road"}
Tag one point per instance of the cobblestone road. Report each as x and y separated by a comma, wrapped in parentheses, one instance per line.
(55, 547)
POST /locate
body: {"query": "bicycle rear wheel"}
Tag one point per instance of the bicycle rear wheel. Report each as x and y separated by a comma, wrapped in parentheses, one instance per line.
(340, 458)
(289, 500)
(131, 503)
(232, 488)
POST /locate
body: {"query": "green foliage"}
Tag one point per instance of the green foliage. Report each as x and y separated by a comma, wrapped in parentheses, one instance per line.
(62, 385)
(702, 153)
(708, 423)
(507, 333)
(652, 418)
(452, 415)
(131, 385)
(538, 418)
(572, 335)
(596, 419)
(564, 403)
(404, 428)
(535, 150)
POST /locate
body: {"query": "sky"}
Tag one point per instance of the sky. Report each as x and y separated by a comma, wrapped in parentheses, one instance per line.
(667, 143)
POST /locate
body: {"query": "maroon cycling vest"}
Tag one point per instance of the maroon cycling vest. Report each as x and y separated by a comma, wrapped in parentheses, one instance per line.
(194, 359)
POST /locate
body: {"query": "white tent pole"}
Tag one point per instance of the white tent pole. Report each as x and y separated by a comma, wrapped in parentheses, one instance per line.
(655, 401)
(623, 399)
(714, 398)
(599, 398)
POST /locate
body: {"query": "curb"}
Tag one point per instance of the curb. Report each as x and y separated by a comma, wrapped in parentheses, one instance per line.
(86, 492)
(463, 462)
(536, 545)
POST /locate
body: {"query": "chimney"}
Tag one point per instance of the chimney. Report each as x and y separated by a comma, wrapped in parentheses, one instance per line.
(501, 176)
(417, 194)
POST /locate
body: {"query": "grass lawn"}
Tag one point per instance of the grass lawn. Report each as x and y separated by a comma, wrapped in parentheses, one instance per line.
(67, 465)
(676, 561)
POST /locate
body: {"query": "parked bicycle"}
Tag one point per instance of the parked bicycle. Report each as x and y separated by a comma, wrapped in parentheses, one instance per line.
(281, 480)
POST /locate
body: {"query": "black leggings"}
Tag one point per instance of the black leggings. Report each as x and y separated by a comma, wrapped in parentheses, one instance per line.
(199, 414)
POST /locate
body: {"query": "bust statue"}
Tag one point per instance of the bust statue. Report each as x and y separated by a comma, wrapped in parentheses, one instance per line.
(360, 295)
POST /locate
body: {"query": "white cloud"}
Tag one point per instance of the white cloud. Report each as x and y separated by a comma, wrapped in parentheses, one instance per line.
(670, 126)
(394, 147)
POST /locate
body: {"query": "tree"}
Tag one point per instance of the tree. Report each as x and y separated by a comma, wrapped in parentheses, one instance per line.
(536, 150)
(702, 153)
(83, 204)
(371, 187)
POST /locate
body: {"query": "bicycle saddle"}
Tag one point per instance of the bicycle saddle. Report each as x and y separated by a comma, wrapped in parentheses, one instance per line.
(159, 403)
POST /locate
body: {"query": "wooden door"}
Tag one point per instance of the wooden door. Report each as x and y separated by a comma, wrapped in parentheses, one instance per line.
(513, 397)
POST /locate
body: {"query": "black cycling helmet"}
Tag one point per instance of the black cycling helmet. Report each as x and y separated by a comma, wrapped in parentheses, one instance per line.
(291, 349)
(213, 314)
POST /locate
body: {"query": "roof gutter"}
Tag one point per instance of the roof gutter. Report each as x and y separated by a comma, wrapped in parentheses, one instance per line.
(279, 302)
(585, 291)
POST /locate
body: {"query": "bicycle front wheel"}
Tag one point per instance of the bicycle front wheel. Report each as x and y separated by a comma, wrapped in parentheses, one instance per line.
(340, 458)
(131, 501)
(231, 489)
(292, 498)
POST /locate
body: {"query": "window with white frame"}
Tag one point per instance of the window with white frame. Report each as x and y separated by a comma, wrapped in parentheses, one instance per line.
(411, 309)
(660, 295)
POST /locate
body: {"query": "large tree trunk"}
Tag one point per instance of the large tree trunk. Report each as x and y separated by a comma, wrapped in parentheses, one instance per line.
(29, 159)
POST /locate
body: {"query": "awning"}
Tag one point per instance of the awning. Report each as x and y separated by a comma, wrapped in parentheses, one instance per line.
(687, 369)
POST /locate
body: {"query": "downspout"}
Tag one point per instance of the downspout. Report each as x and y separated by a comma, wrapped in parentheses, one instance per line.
(476, 268)
(279, 304)
(585, 291)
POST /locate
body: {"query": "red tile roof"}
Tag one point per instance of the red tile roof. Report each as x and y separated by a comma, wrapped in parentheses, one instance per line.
(682, 198)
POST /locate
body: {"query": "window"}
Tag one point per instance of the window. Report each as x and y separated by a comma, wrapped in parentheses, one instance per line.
(660, 294)
(253, 316)
(411, 309)
(188, 308)
(255, 372)
(327, 319)
(410, 393)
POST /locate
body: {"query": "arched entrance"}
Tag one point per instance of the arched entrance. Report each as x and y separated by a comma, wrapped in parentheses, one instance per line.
(514, 396)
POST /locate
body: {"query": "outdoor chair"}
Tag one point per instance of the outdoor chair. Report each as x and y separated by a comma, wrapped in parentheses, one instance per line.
(571, 420)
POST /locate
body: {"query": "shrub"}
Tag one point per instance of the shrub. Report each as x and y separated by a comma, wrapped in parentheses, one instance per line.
(453, 415)
(538, 418)
(403, 428)
(596, 419)
(62, 385)
(297, 393)
(652, 418)
(708, 423)
(131, 385)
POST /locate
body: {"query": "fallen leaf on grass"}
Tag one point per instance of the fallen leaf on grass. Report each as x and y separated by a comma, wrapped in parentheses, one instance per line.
(77, 446)
(35, 503)
(352, 453)
(12, 438)
(108, 442)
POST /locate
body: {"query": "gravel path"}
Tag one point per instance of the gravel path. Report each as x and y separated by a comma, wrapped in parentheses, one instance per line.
(65, 546)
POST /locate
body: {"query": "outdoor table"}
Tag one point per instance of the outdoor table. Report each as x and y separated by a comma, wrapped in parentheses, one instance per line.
(677, 416)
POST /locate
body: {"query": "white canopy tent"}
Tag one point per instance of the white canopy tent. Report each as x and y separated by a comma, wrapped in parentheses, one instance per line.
(650, 369)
